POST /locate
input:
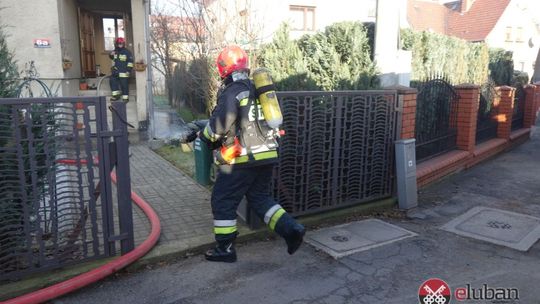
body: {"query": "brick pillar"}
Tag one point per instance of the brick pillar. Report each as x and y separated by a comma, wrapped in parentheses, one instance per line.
(529, 115)
(537, 100)
(506, 109)
(408, 117)
(467, 112)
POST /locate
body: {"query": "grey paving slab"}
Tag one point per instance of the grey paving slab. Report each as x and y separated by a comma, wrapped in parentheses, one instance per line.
(343, 240)
(510, 229)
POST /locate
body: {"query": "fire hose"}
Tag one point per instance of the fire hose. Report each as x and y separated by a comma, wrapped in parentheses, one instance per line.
(103, 271)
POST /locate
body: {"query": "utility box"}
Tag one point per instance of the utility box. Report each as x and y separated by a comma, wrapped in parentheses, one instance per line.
(248, 215)
(406, 173)
(203, 162)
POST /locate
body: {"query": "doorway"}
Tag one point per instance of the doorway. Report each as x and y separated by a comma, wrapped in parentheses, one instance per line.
(98, 30)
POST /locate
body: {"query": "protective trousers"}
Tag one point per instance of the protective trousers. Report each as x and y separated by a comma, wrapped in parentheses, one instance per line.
(119, 86)
(254, 183)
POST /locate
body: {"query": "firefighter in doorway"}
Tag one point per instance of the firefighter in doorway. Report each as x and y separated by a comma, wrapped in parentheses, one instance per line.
(121, 68)
(246, 149)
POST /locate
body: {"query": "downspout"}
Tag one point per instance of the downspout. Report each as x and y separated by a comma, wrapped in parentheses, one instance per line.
(149, 93)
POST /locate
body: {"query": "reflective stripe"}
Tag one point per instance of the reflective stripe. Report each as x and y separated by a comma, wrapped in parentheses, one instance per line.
(125, 96)
(224, 230)
(275, 218)
(130, 64)
(270, 212)
(116, 92)
(257, 156)
(209, 134)
(224, 223)
(242, 95)
(123, 75)
(122, 57)
(244, 102)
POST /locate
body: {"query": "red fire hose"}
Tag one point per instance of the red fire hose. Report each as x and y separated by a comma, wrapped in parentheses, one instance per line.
(103, 271)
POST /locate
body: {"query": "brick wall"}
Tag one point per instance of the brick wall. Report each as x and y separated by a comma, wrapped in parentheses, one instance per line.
(505, 111)
(408, 117)
(469, 98)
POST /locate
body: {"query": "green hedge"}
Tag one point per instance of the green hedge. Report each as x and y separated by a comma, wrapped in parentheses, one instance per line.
(435, 54)
(337, 59)
(501, 66)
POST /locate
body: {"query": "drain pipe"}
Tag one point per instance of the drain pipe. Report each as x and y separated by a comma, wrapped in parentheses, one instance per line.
(103, 271)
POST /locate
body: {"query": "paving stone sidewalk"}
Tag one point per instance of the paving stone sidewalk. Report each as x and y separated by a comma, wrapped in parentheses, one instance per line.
(183, 206)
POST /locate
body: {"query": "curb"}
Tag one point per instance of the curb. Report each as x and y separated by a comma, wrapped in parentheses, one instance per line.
(190, 247)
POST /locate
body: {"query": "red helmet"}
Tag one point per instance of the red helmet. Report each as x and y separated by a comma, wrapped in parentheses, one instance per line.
(120, 40)
(231, 59)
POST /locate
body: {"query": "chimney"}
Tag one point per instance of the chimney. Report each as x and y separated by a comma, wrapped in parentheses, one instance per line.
(466, 5)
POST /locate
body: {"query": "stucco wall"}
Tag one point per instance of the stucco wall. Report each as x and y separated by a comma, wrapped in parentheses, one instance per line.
(139, 52)
(69, 35)
(29, 20)
(524, 14)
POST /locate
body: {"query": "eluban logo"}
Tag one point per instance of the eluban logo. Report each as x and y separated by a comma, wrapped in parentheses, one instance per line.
(486, 293)
(434, 291)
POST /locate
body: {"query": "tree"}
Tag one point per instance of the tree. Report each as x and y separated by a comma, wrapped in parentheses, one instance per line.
(8, 69)
(165, 32)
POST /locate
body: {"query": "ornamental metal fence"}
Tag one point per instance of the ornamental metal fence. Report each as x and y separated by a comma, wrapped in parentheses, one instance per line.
(56, 207)
(519, 107)
(338, 149)
(486, 123)
(436, 118)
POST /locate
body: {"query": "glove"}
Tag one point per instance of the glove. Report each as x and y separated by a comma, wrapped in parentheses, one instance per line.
(191, 136)
(227, 154)
(114, 72)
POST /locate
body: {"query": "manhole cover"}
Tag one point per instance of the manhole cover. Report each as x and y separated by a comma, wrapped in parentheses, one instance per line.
(347, 239)
(514, 230)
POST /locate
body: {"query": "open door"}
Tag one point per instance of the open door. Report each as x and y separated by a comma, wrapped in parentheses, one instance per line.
(88, 46)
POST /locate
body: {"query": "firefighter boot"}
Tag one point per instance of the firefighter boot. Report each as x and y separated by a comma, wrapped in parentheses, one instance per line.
(223, 252)
(291, 231)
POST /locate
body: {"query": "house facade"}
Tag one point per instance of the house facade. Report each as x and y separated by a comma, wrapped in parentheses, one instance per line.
(513, 25)
(69, 42)
(252, 22)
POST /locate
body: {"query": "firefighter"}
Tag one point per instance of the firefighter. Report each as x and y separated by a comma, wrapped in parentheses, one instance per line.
(121, 68)
(246, 151)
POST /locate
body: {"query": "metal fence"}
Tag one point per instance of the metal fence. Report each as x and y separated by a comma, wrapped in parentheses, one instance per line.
(436, 118)
(56, 206)
(338, 149)
(486, 123)
(519, 106)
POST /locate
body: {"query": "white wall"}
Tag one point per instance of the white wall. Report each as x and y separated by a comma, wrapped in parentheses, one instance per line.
(28, 20)
(524, 14)
(266, 16)
(139, 52)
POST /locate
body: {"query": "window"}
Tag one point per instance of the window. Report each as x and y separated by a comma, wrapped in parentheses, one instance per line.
(519, 34)
(303, 17)
(112, 28)
(508, 34)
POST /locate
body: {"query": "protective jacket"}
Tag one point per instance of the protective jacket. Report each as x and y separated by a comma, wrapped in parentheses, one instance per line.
(239, 114)
(122, 62)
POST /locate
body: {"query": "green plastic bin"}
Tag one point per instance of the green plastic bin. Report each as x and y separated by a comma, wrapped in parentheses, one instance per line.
(203, 162)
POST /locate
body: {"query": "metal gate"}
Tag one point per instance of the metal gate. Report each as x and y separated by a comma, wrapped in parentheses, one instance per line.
(519, 107)
(338, 149)
(486, 123)
(56, 206)
(436, 118)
